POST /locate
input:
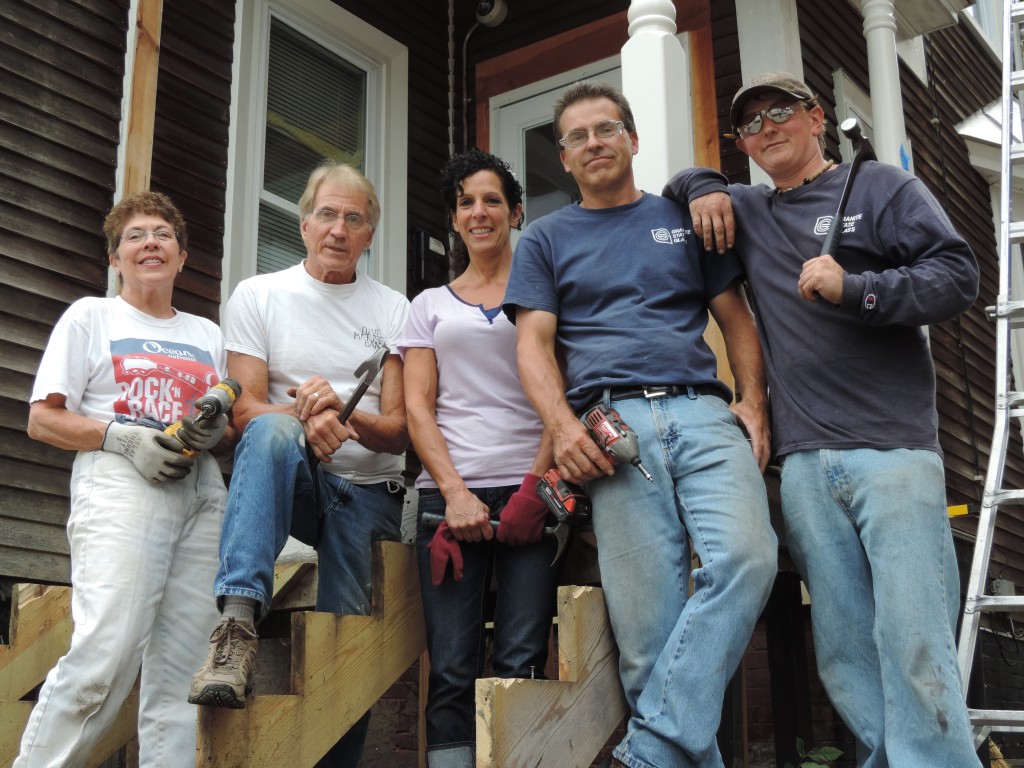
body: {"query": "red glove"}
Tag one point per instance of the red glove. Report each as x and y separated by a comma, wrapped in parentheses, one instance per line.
(522, 519)
(444, 547)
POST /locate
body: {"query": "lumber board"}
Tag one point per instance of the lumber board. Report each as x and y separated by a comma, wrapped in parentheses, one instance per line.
(294, 585)
(340, 666)
(560, 723)
(14, 717)
(40, 633)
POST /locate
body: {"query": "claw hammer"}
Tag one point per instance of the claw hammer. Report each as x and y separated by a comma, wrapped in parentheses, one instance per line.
(560, 531)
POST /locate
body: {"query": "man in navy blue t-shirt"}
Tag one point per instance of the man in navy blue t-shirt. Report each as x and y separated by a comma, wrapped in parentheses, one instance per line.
(611, 296)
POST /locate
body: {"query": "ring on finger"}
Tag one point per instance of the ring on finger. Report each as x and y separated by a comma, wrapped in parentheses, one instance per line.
(316, 395)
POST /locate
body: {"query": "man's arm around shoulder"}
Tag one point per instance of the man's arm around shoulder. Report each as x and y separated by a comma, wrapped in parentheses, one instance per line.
(705, 192)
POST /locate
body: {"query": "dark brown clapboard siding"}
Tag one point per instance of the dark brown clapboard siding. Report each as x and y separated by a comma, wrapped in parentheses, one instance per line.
(62, 67)
(190, 148)
(963, 79)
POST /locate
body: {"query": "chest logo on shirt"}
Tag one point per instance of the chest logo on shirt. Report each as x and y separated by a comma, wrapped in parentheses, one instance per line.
(849, 224)
(372, 338)
(159, 380)
(670, 236)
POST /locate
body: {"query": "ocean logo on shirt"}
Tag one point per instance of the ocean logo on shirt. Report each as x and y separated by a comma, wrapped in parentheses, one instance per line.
(849, 224)
(670, 236)
(159, 380)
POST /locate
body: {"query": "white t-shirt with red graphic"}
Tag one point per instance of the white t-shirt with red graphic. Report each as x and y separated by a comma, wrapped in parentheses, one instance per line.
(112, 361)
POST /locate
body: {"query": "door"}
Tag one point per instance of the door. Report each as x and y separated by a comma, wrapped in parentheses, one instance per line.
(521, 134)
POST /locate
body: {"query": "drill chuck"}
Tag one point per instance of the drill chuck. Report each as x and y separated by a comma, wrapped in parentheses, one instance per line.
(218, 399)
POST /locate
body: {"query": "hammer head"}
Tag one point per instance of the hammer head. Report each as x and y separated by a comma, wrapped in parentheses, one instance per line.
(852, 130)
(561, 534)
(370, 367)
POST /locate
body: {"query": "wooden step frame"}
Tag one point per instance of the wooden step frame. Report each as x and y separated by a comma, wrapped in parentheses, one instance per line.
(560, 723)
(340, 665)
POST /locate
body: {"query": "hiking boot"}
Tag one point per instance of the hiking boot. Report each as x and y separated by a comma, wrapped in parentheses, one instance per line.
(226, 677)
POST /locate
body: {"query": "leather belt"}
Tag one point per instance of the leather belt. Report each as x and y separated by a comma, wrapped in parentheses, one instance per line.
(651, 392)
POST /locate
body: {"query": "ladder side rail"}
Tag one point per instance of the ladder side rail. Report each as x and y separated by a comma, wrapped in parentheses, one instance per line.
(1000, 435)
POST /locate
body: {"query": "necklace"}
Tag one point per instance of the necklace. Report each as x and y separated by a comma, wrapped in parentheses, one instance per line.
(828, 164)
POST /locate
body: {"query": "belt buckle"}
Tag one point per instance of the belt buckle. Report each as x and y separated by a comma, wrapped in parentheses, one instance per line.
(652, 392)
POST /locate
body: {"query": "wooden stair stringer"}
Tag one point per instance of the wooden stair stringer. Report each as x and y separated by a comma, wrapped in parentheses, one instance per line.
(40, 633)
(560, 723)
(341, 665)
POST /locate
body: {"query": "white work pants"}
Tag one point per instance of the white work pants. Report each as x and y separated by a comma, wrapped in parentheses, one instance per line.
(143, 560)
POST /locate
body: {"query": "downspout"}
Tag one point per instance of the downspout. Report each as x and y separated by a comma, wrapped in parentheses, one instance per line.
(884, 75)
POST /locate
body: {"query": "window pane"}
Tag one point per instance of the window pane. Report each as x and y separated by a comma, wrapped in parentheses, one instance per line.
(280, 244)
(548, 186)
(316, 109)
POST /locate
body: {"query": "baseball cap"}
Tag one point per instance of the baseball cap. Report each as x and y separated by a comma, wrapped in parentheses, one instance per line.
(770, 82)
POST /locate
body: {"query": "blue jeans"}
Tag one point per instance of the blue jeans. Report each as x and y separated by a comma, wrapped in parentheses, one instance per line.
(678, 652)
(454, 617)
(271, 494)
(869, 534)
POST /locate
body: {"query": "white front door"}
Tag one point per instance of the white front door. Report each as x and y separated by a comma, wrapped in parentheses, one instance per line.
(521, 134)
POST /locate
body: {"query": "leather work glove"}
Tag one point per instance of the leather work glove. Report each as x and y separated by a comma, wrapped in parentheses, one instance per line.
(204, 435)
(444, 547)
(157, 456)
(522, 519)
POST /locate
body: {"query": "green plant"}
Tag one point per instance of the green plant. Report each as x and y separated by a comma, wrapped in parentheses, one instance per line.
(820, 757)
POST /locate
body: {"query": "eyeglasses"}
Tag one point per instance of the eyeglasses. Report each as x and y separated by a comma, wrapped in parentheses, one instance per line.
(775, 114)
(137, 236)
(578, 137)
(353, 221)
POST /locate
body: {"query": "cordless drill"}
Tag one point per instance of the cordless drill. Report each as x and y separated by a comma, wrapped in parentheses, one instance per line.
(567, 501)
(615, 436)
(218, 399)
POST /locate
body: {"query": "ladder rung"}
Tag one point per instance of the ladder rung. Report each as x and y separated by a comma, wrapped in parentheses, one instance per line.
(1006, 497)
(1010, 309)
(995, 604)
(1016, 12)
(998, 719)
(1016, 153)
(1016, 231)
(1017, 80)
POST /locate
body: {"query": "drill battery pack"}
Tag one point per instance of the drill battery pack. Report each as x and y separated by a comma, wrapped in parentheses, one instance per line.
(567, 501)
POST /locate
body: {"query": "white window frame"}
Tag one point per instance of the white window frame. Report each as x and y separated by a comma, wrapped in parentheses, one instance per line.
(386, 162)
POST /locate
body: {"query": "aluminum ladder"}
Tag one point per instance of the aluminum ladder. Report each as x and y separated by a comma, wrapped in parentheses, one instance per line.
(1008, 315)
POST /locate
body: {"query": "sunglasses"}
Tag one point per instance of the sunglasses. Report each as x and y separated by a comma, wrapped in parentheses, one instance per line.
(777, 115)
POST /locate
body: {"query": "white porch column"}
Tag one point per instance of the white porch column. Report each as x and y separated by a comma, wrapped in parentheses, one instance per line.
(769, 36)
(890, 132)
(655, 79)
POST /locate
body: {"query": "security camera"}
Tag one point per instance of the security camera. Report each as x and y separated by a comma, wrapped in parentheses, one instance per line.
(491, 13)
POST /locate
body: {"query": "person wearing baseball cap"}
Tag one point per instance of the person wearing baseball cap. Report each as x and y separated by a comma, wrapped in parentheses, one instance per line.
(774, 83)
(854, 423)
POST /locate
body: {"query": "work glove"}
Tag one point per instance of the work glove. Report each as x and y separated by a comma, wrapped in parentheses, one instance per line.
(444, 547)
(522, 519)
(157, 456)
(204, 435)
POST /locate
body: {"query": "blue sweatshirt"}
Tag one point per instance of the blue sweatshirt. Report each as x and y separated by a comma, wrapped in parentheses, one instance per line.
(859, 375)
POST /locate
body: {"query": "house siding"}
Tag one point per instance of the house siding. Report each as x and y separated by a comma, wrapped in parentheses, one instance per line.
(63, 68)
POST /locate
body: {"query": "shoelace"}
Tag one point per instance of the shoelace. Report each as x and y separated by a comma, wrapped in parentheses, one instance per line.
(228, 645)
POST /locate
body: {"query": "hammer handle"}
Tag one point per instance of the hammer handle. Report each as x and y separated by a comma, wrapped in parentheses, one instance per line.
(431, 520)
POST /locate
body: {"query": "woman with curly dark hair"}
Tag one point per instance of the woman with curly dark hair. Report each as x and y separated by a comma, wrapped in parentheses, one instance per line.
(483, 450)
